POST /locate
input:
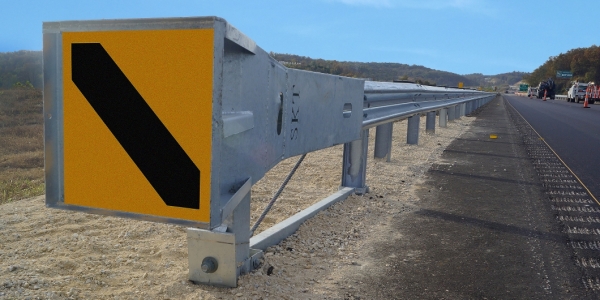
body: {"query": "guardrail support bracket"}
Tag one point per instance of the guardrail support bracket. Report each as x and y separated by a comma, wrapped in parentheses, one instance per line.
(219, 256)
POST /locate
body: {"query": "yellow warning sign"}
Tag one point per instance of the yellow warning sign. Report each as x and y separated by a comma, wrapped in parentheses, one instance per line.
(138, 121)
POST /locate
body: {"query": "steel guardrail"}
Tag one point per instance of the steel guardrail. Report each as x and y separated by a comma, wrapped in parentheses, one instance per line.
(390, 101)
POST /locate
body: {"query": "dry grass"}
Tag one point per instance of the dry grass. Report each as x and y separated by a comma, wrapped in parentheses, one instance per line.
(21, 144)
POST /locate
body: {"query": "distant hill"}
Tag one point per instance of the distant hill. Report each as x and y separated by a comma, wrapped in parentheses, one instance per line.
(504, 79)
(373, 71)
(395, 71)
(21, 67)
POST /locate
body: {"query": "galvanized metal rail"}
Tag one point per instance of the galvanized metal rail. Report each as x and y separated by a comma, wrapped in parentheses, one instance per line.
(384, 103)
(387, 102)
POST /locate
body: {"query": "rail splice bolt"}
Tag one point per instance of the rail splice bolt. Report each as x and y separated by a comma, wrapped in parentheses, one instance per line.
(209, 265)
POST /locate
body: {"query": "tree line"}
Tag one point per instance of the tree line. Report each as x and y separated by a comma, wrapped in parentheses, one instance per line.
(584, 63)
(396, 71)
(21, 69)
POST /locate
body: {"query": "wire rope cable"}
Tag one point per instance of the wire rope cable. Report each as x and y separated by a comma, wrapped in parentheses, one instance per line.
(270, 205)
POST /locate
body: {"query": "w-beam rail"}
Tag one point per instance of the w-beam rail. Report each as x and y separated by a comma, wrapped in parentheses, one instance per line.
(384, 103)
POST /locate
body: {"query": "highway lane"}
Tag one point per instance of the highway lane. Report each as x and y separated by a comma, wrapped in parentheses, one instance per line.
(571, 130)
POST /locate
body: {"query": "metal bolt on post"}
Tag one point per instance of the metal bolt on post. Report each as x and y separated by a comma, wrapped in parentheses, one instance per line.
(209, 265)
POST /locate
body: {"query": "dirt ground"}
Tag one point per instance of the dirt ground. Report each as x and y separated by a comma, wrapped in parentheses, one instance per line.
(53, 254)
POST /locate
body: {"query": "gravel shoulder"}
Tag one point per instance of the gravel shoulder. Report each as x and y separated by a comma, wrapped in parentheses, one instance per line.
(53, 254)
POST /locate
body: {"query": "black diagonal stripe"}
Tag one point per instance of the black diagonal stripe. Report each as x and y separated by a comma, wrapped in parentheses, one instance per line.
(148, 142)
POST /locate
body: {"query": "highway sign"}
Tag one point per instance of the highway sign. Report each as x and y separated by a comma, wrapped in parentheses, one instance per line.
(523, 87)
(564, 74)
(133, 103)
(460, 85)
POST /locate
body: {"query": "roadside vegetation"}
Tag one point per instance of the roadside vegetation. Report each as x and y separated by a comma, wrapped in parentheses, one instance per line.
(584, 63)
(396, 71)
(21, 67)
(21, 143)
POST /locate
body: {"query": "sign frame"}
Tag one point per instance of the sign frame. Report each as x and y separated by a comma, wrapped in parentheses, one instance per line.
(54, 106)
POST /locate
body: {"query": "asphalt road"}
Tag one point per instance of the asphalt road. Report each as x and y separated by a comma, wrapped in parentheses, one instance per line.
(571, 130)
(483, 227)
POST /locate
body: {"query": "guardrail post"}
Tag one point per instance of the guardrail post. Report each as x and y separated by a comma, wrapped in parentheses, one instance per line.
(412, 134)
(451, 113)
(469, 107)
(457, 112)
(463, 109)
(444, 117)
(383, 140)
(430, 123)
(354, 171)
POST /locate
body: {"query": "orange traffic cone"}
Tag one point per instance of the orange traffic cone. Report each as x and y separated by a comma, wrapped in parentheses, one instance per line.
(585, 102)
(545, 91)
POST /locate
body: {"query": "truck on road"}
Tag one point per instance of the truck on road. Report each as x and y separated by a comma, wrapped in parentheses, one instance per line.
(532, 91)
(577, 93)
(547, 87)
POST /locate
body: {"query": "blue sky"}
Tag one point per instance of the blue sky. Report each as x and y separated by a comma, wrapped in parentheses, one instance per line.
(459, 36)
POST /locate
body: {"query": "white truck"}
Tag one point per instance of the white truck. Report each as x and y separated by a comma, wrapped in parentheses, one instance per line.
(532, 92)
(577, 93)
